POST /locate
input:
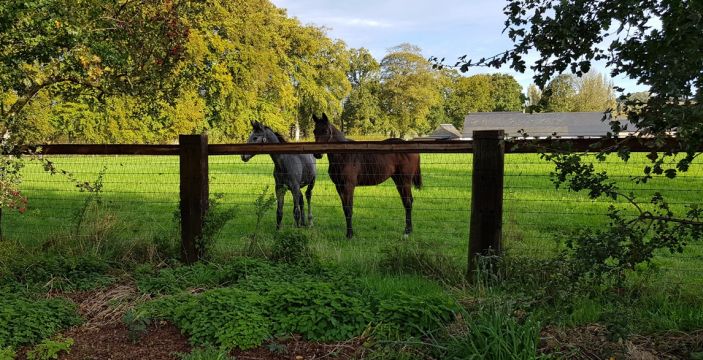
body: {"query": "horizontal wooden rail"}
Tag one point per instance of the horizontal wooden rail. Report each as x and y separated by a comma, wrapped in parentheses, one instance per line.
(96, 149)
(344, 147)
(514, 146)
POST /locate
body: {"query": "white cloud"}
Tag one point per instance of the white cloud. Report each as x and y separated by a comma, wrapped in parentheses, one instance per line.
(358, 22)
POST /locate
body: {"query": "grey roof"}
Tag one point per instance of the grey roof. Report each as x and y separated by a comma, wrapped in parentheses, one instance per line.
(571, 124)
(443, 132)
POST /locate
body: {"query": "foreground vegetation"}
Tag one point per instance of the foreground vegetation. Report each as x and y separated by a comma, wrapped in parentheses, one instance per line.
(397, 298)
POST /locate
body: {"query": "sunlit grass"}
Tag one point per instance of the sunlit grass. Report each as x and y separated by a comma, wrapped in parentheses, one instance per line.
(142, 193)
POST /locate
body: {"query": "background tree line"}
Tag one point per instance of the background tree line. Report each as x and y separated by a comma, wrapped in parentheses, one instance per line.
(179, 67)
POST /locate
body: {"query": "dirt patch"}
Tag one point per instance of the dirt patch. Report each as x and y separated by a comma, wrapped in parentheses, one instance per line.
(591, 342)
(295, 348)
(161, 341)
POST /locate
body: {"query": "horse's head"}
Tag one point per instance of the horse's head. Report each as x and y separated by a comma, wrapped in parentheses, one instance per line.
(324, 131)
(259, 134)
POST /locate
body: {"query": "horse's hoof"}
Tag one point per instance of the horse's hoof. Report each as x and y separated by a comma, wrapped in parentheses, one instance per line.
(406, 236)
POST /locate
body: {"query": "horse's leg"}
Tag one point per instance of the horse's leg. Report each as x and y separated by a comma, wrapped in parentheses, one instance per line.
(346, 194)
(297, 199)
(403, 184)
(308, 196)
(280, 195)
(301, 207)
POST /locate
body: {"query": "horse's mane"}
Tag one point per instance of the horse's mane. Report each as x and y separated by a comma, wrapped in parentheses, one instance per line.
(338, 134)
(280, 137)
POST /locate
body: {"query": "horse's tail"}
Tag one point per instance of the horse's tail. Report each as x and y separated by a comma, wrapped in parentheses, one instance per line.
(417, 177)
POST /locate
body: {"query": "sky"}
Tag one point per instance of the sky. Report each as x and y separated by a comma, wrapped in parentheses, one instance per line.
(447, 28)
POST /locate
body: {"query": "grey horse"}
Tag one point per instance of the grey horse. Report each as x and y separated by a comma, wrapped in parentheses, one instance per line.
(290, 171)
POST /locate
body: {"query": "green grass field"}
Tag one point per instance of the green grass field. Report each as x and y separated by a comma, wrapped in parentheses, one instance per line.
(140, 196)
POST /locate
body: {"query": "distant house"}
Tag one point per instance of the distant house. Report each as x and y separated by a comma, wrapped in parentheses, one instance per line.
(442, 132)
(538, 125)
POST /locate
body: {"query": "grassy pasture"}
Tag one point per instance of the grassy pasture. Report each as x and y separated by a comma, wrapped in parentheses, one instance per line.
(140, 196)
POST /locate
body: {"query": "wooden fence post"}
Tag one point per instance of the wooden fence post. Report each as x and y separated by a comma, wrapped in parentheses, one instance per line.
(194, 194)
(485, 234)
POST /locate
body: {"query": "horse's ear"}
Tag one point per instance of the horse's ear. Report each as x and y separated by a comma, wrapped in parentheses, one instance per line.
(256, 125)
(324, 118)
(315, 118)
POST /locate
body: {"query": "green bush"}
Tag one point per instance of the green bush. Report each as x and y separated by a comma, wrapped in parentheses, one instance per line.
(50, 349)
(292, 246)
(23, 321)
(203, 275)
(7, 353)
(58, 272)
(225, 318)
(317, 310)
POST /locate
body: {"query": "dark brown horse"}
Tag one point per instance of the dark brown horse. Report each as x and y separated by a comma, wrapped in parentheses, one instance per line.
(348, 171)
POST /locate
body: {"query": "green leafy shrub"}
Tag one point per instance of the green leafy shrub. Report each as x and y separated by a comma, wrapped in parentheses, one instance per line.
(203, 275)
(7, 353)
(215, 220)
(23, 321)
(415, 315)
(50, 349)
(317, 310)
(59, 272)
(225, 318)
(292, 246)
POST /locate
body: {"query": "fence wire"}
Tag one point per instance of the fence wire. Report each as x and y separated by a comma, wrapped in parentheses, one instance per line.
(140, 195)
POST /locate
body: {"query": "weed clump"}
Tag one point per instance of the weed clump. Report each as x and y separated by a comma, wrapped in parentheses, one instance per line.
(24, 321)
(292, 247)
(416, 258)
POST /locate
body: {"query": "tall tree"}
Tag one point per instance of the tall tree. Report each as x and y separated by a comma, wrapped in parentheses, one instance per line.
(362, 113)
(560, 94)
(534, 95)
(469, 94)
(594, 93)
(409, 88)
(506, 93)
(96, 49)
(319, 73)
(100, 48)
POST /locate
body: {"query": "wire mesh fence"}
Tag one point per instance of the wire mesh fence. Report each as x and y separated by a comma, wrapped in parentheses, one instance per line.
(539, 218)
(139, 198)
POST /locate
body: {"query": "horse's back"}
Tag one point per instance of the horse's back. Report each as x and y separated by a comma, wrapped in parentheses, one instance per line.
(297, 169)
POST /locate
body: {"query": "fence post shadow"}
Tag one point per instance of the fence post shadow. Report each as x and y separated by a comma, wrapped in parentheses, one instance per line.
(486, 230)
(194, 190)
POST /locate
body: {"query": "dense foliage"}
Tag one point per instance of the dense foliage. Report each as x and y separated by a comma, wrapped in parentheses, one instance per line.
(24, 321)
(148, 70)
(262, 300)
